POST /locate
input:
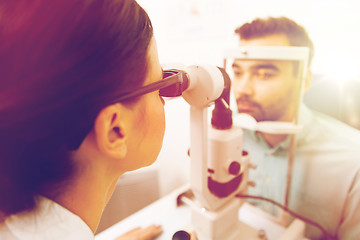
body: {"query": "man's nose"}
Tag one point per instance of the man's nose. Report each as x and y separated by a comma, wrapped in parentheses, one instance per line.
(243, 87)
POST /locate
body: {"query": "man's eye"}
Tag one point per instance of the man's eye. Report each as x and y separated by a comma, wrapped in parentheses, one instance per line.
(238, 74)
(265, 74)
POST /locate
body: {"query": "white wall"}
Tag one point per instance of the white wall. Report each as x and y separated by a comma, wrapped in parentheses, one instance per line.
(193, 31)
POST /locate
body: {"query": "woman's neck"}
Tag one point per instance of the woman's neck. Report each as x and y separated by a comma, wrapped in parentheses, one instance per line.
(92, 184)
(87, 197)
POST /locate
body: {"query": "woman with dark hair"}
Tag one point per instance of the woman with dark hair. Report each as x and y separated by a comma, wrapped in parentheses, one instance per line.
(68, 126)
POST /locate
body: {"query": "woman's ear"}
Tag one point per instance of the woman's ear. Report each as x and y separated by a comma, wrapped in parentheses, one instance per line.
(110, 131)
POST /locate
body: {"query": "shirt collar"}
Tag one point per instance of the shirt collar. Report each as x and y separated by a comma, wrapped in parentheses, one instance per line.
(49, 221)
(305, 119)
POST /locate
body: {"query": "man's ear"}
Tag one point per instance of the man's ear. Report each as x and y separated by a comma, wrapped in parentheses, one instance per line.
(308, 80)
(110, 131)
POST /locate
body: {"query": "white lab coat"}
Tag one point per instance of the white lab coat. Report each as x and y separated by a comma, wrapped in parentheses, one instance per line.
(50, 221)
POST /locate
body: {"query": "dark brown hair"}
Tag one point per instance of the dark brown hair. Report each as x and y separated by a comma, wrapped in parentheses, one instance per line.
(61, 62)
(260, 27)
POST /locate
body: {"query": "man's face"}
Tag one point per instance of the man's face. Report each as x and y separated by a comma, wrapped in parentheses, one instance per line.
(266, 89)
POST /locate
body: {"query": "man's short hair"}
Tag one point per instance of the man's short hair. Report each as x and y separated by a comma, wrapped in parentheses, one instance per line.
(261, 27)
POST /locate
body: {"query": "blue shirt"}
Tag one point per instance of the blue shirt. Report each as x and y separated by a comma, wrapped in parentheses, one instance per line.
(325, 180)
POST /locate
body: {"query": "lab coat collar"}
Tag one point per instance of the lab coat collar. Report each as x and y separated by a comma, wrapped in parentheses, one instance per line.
(49, 221)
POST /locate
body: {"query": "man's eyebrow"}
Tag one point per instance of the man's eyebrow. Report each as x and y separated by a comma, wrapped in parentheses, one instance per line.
(265, 66)
(234, 65)
(258, 66)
